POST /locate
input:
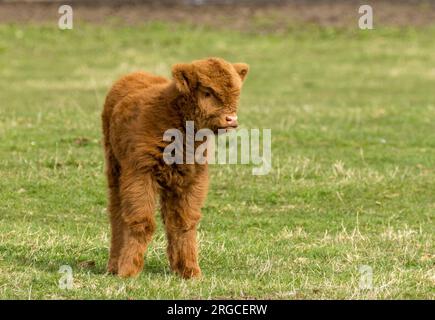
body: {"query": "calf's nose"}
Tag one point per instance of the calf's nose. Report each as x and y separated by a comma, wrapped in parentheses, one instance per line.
(231, 120)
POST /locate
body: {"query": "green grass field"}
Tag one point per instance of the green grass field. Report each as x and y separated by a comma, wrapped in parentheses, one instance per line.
(353, 153)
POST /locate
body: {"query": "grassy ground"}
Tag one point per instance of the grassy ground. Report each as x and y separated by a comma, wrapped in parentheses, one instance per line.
(352, 117)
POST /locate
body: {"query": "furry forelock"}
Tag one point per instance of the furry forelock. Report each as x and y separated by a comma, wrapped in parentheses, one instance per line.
(218, 75)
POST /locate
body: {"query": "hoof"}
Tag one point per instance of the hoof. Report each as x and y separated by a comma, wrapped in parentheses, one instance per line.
(130, 266)
(190, 273)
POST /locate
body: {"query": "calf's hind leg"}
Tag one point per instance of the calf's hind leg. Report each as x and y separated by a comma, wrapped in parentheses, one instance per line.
(114, 208)
(117, 230)
(138, 198)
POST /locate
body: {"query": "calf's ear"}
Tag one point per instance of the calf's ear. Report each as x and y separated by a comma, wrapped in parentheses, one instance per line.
(242, 69)
(184, 76)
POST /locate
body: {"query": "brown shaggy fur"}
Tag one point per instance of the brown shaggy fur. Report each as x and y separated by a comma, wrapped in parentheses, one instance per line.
(139, 108)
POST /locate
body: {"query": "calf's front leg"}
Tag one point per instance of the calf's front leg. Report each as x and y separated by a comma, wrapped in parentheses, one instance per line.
(181, 215)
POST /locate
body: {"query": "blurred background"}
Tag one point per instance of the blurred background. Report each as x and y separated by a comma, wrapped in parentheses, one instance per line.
(261, 15)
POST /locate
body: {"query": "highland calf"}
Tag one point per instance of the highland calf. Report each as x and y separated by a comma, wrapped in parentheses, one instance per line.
(139, 108)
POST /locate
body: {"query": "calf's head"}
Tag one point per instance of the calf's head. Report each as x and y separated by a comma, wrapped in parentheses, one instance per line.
(212, 90)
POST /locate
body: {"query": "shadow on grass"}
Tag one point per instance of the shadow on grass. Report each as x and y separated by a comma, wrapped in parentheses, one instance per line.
(89, 260)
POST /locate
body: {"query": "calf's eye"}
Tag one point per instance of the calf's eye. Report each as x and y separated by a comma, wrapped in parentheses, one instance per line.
(207, 94)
